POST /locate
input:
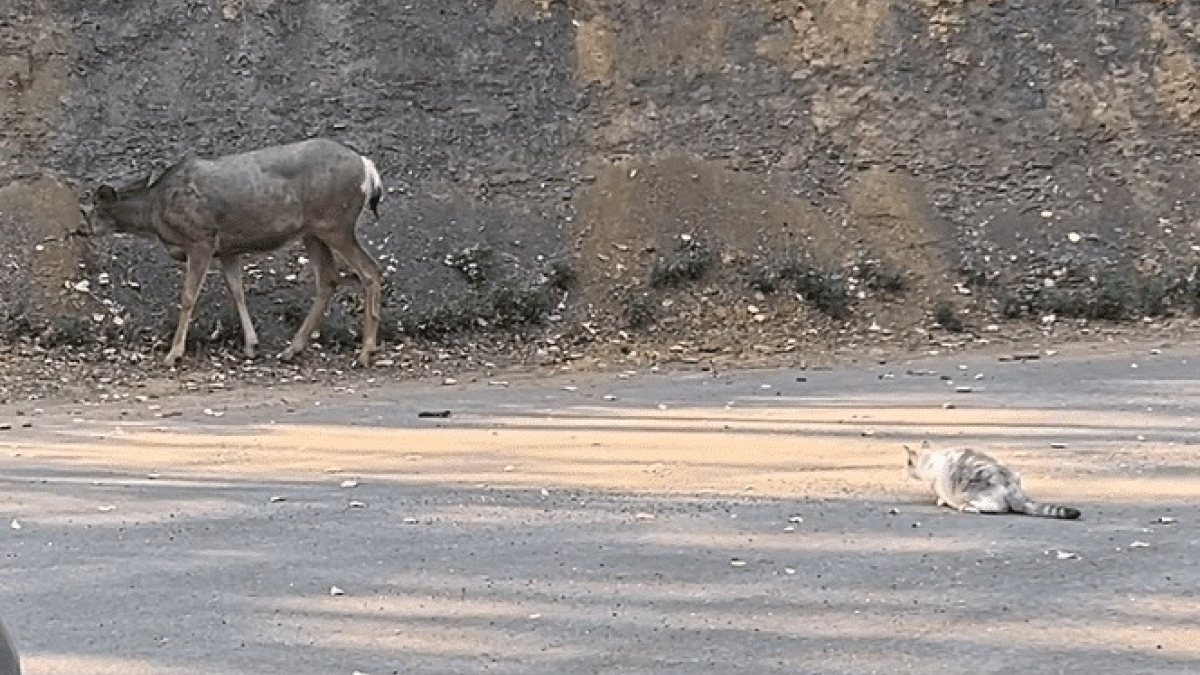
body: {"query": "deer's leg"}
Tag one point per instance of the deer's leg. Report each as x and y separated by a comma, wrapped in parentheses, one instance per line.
(193, 279)
(325, 276)
(372, 280)
(232, 266)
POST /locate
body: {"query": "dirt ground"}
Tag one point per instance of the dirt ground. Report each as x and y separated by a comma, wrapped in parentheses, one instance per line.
(641, 522)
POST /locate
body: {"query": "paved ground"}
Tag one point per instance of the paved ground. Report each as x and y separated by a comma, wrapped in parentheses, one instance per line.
(751, 522)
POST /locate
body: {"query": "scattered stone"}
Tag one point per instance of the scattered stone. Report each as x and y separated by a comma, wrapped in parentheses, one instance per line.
(335, 591)
(440, 414)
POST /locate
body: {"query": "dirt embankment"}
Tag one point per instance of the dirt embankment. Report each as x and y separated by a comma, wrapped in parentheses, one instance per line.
(609, 180)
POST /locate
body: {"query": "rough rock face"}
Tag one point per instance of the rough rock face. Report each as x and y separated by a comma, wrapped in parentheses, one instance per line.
(766, 175)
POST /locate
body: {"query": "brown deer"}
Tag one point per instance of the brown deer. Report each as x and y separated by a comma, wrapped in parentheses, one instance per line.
(254, 202)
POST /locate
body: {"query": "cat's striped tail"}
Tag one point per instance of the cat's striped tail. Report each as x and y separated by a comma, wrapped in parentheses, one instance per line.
(1032, 508)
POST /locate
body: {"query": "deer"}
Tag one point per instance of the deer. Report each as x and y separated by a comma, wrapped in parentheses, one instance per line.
(254, 202)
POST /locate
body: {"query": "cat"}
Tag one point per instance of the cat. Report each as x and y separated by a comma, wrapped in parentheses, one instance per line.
(974, 482)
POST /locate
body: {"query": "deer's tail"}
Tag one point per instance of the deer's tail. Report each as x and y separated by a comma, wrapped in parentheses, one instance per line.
(372, 185)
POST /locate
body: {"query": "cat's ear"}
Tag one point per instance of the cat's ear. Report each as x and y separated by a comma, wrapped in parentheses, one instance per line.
(912, 456)
(925, 445)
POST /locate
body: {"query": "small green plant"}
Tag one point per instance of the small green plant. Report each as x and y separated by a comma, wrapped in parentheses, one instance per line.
(762, 278)
(1189, 292)
(16, 321)
(689, 262)
(1115, 296)
(561, 275)
(390, 327)
(1012, 307)
(1113, 300)
(945, 315)
(338, 336)
(886, 280)
(515, 305)
(825, 291)
(447, 319)
(1072, 303)
(1152, 298)
(70, 330)
(639, 310)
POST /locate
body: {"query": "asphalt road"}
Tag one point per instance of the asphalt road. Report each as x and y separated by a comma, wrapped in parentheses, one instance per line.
(641, 522)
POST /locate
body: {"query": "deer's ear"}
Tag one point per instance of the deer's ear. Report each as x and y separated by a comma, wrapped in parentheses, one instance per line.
(153, 178)
(106, 193)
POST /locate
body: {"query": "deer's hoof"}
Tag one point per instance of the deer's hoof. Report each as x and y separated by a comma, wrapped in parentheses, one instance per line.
(250, 351)
(171, 360)
(287, 354)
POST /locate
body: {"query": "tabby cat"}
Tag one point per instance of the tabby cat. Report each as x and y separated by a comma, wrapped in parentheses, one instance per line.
(973, 482)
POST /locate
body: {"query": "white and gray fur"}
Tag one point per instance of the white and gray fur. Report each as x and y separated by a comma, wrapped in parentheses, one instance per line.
(254, 202)
(971, 481)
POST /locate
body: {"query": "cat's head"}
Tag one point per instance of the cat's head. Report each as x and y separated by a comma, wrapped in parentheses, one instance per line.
(915, 460)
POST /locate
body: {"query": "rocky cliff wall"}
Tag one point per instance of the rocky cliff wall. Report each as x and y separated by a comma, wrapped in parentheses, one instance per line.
(600, 174)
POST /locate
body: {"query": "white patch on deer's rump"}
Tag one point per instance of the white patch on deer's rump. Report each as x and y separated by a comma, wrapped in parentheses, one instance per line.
(371, 181)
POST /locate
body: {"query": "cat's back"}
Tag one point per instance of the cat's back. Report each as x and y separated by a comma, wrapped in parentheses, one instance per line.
(974, 470)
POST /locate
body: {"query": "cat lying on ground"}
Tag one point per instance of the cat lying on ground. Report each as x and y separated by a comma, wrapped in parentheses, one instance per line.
(974, 482)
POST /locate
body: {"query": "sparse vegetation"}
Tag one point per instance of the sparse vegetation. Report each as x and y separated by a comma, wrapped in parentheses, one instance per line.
(16, 321)
(1112, 296)
(561, 275)
(514, 304)
(762, 278)
(510, 305)
(689, 262)
(390, 327)
(1189, 292)
(884, 279)
(947, 318)
(70, 330)
(639, 310)
(443, 320)
(825, 291)
(474, 262)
